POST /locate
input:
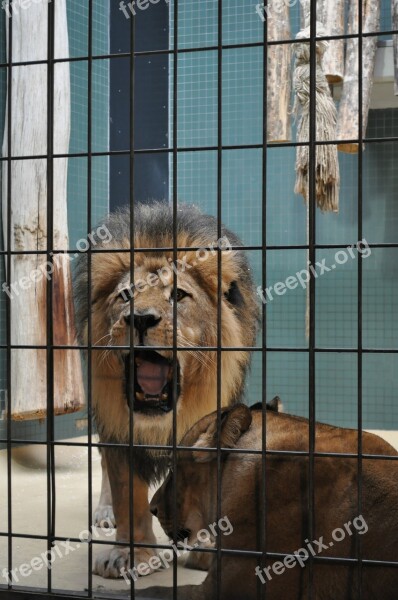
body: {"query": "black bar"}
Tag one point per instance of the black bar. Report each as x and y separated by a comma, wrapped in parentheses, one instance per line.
(373, 140)
(312, 299)
(8, 301)
(130, 391)
(261, 588)
(175, 233)
(49, 320)
(89, 281)
(292, 41)
(219, 279)
(359, 291)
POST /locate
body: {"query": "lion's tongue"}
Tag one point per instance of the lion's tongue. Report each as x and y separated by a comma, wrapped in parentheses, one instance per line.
(152, 377)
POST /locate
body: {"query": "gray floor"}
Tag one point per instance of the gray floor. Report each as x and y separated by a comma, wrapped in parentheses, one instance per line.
(29, 516)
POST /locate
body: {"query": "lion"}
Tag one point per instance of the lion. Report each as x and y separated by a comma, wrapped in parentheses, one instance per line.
(337, 523)
(156, 383)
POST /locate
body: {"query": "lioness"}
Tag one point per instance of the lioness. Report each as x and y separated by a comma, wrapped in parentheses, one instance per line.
(336, 511)
(152, 380)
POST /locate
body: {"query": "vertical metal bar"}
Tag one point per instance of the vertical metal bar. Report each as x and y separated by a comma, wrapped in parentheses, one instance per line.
(175, 232)
(312, 258)
(89, 274)
(359, 292)
(130, 391)
(8, 300)
(219, 282)
(49, 319)
(263, 491)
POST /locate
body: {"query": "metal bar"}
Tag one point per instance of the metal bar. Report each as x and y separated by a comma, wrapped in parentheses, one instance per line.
(262, 589)
(214, 349)
(259, 146)
(8, 300)
(359, 292)
(312, 300)
(219, 283)
(175, 234)
(130, 391)
(195, 49)
(89, 282)
(49, 317)
(192, 248)
(227, 450)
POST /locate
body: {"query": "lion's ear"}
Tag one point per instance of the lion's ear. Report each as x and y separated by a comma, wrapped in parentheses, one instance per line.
(233, 295)
(234, 422)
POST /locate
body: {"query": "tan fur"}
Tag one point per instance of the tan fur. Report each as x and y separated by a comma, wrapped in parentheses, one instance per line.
(286, 515)
(199, 381)
(196, 326)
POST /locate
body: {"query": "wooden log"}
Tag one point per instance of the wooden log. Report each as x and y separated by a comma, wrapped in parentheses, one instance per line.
(279, 73)
(348, 117)
(30, 273)
(331, 14)
(394, 9)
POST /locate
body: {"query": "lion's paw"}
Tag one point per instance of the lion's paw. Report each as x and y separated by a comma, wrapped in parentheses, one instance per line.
(104, 517)
(115, 562)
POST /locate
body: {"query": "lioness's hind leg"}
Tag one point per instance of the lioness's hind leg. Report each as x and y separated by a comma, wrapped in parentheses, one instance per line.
(103, 514)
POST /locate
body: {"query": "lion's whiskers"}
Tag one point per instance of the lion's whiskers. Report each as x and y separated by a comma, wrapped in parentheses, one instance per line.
(107, 335)
(202, 356)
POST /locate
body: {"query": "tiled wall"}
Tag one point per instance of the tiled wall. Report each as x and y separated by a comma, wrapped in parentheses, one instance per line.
(336, 307)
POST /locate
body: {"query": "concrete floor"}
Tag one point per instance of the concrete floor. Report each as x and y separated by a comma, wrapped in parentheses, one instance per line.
(29, 516)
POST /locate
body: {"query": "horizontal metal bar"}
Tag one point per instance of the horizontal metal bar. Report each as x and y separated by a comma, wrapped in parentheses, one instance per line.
(181, 149)
(196, 49)
(179, 448)
(225, 551)
(208, 349)
(246, 248)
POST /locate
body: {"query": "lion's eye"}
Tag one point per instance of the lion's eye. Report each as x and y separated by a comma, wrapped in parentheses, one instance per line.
(124, 295)
(180, 295)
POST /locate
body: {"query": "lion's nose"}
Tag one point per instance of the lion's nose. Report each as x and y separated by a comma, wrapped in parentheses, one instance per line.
(143, 322)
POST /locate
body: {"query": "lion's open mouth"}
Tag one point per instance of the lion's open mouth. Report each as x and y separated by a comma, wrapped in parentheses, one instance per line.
(153, 382)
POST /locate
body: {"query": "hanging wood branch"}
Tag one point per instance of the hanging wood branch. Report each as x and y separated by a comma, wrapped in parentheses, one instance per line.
(327, 165)
(348, 117)
(29, 272)
(279, 73)
(394, 8)
(331, 14)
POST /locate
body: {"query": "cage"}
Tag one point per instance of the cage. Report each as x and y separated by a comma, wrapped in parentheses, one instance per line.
(150, 106)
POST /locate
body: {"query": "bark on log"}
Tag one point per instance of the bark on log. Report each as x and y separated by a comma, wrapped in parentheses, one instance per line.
(29, 273)
(394, 8)
(348, 118)
(279, 73)
(331, 14)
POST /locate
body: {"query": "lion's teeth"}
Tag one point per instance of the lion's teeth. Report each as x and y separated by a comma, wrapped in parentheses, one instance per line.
(165, 396)
(140, 396)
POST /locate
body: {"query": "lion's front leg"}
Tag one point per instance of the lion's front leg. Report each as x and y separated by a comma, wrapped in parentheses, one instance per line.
(112, 563)
(103, 514)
